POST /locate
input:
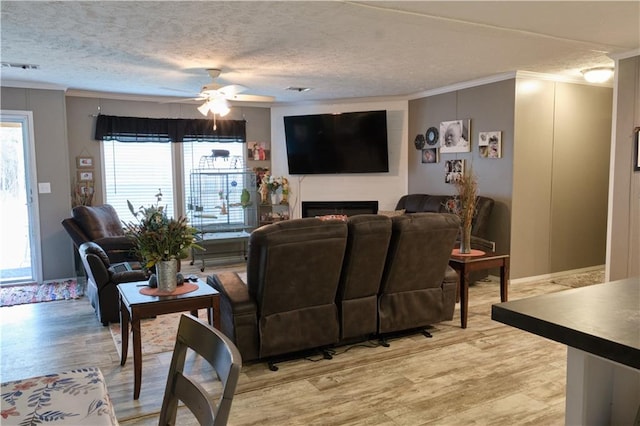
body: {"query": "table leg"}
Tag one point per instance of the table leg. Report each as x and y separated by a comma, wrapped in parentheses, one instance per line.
(216, 311)
(504, 280)
(464, 297)
(137, 355)
(124, 333)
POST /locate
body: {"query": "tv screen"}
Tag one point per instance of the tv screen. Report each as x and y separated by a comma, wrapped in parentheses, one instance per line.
(351, 142)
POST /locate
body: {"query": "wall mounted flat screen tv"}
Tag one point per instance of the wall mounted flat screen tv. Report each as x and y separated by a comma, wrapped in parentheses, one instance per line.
(350, 142)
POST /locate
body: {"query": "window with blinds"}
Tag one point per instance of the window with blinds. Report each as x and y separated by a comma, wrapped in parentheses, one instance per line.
(137, 171)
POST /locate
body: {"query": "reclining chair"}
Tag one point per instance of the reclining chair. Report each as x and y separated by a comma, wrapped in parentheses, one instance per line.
(288, 303)
(102, 279)
(357, 298)
(418, 287)
(101, 225)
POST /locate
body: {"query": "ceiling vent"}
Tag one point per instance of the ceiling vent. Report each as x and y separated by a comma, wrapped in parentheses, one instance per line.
(21, 66)
(298, 89)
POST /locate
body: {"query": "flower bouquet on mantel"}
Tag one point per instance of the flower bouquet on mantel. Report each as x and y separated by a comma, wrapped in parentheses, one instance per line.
(464, 205)
(270, 185)
(161, 241)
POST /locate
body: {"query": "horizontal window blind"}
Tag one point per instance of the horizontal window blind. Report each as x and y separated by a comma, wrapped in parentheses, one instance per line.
(137, 172)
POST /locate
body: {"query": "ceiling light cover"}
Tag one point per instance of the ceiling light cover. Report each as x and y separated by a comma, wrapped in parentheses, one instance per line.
(598, 75)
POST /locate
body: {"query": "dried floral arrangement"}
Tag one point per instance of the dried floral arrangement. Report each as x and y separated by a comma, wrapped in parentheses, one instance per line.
(464, 203)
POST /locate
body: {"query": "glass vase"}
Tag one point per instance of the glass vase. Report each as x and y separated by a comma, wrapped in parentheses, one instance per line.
(465, 240)
(166, 272)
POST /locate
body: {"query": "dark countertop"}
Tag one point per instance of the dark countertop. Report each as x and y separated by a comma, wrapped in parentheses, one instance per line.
(602, 319)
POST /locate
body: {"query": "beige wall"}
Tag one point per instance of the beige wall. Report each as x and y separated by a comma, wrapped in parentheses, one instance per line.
(561, 177)
(623, 251)
(52, 165)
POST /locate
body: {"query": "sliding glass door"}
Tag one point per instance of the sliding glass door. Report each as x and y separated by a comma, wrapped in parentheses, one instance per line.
(19, 230)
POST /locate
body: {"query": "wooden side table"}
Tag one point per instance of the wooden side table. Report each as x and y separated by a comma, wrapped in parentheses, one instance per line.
(465, 264)
(135, 306)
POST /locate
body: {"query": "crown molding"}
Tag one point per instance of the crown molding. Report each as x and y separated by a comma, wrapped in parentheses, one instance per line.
(23, 84)
(624, 55)
(463, 85)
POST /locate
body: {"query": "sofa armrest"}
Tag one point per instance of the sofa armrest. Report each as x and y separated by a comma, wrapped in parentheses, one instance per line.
(238, 313)
(482, 244)
(233, 290)
(127, 276)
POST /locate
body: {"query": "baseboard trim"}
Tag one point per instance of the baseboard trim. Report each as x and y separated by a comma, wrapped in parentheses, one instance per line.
(550, 276)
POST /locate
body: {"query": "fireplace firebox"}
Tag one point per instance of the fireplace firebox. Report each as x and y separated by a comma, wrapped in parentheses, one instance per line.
(349, 208)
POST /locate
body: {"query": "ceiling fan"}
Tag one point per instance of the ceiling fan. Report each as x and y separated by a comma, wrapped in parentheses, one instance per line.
(215, 96)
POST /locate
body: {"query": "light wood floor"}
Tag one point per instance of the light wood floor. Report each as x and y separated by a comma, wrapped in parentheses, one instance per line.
(489, 373)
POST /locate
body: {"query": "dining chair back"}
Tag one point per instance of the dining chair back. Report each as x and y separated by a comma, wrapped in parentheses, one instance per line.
(221, 354)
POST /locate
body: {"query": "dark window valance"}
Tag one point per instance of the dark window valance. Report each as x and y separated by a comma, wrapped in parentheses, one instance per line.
(133, 129)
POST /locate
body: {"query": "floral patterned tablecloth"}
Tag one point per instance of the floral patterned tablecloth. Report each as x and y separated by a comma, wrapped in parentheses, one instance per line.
(76, 397)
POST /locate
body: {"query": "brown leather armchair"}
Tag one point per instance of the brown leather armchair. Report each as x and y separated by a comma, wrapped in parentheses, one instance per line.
(418, 287)
(415, 203)
(357, 297)
(288, 303)
(102, 281)
(101, 225)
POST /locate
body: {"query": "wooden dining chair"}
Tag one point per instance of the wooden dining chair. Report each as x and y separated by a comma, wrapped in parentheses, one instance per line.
(221, 354)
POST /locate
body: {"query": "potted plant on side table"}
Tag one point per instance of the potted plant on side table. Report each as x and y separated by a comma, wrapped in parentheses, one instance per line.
(162, 242)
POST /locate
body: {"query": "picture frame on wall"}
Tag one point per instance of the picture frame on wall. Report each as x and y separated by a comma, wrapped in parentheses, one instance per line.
(636, 150)
(453, 170)
(454, 136)
(430, 156)
(490, 144)
(84, 162)
(85, 175)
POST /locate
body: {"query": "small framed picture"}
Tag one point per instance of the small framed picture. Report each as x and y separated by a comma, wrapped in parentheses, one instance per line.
(430, 155)
(453, 170)
(85, 175)
(490, 144)
(84, 162)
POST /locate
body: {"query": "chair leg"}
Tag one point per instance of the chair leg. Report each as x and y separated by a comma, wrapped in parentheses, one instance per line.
(272, 365)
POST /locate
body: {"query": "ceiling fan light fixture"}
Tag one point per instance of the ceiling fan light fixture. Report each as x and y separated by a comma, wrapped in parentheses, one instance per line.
(598, 74)
(215, 106)
(204, 109)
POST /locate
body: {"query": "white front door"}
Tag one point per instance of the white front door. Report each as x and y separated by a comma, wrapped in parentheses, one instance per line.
(19, 230)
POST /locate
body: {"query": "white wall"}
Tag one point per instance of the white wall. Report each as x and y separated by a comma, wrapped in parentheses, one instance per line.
(386, 188)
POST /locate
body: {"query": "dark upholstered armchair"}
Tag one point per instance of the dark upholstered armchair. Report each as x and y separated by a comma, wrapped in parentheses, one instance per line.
(102, 280)
(414, 203)
(288, 303)
(357, 298)
(101, 225)
(418, 287)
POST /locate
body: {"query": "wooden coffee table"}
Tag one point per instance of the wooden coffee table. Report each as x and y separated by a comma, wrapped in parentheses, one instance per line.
(135, 306)
(465, 264)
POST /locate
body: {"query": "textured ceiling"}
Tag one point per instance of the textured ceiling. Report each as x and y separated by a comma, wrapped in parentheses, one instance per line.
(339, 49)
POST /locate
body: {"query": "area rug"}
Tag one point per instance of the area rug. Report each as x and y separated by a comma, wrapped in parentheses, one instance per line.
(158, 334)
(581, 279)
(34, 293)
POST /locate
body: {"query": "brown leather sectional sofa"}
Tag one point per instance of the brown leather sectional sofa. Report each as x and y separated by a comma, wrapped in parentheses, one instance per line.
(314, 283)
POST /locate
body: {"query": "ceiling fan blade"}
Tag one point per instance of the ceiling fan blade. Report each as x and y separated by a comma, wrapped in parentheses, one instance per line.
(251, 98)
